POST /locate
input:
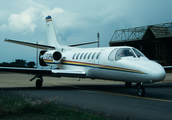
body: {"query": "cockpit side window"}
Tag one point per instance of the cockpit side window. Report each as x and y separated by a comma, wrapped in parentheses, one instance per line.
(124, 52)
(112, 55)
(138, 53)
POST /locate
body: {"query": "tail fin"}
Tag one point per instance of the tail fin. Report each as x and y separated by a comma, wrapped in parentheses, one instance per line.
(51, 35)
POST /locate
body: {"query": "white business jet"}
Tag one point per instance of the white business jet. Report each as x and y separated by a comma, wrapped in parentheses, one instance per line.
(123, 63)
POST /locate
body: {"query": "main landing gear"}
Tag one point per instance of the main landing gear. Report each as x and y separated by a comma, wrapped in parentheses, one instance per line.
(39, 81)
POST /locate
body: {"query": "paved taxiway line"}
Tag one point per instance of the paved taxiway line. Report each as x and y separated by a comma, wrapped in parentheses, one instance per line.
(112, 93)
(167, 80)
(161, 100)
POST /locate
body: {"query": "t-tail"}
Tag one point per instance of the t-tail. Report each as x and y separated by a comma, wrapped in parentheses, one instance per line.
(51, 35)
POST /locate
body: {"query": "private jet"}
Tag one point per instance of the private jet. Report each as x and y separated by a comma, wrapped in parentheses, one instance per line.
(121, 63)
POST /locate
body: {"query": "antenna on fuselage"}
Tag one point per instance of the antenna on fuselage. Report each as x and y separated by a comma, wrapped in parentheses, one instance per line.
(36, 56)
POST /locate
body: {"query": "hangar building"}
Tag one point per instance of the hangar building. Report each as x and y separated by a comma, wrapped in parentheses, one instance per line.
(155, 41)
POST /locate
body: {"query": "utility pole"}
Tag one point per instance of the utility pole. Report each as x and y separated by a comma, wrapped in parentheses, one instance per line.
(36, 56)
(98, 38)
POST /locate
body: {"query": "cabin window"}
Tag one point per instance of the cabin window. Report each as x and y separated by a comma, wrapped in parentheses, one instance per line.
(85, 55)
(77, 56)
(138, 53)
(124, 52)
(98, 55)
(74, 56)
(93, 55)
(81, 55)
(89, 55)
(112, 55)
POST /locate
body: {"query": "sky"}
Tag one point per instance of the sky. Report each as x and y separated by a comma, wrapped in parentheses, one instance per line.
(75, 21)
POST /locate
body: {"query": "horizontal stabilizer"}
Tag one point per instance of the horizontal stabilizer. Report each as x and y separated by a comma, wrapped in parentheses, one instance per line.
(45, 47)
(83, 44)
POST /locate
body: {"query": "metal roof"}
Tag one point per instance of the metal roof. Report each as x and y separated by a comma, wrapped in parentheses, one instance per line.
(139, 33)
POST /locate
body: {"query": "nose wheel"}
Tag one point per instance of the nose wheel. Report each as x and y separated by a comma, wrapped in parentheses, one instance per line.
(140, 90)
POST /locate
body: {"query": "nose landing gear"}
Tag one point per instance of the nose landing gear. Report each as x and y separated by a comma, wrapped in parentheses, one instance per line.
(140, 89)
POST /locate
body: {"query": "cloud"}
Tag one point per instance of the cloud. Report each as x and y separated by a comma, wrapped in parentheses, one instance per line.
(52, 12)
(23, 22)
(27, 20)
(1, 13)
(4, 27)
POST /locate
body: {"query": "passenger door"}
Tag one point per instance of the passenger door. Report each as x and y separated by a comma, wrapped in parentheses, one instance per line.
(97, 58)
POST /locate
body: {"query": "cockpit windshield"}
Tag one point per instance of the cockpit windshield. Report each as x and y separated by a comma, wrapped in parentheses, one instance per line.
(138, 53)
(124, 52)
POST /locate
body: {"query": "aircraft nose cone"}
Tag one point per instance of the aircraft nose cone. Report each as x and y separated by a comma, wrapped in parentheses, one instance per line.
(156, 73)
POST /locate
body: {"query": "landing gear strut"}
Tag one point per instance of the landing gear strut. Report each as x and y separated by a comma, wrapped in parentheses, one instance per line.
(39, 82)
(140, 89)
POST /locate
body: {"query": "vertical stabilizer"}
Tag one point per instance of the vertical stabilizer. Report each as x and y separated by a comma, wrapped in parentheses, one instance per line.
(51, 35)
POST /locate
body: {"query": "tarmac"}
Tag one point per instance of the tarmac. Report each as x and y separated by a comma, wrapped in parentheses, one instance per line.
(101, 97)
(22, 80)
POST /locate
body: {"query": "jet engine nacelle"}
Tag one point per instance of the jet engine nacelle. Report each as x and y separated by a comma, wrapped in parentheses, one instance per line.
(52, 57)
(41, 61)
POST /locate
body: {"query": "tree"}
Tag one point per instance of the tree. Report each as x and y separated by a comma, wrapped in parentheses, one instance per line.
(31, 64)
(18, 63)
(5, 64)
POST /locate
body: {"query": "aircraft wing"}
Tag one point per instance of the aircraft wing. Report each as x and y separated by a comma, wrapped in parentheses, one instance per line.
(45, 47)
(45, 72)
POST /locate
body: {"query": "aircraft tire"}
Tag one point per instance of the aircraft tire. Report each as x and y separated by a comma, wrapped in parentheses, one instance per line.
(141, 91)
(38, 83)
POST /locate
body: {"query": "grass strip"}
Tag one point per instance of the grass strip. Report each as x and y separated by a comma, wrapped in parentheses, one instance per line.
(21, 109)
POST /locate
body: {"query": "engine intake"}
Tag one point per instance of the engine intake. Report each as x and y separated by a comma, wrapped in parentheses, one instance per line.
(52, 57)
(57, 56)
